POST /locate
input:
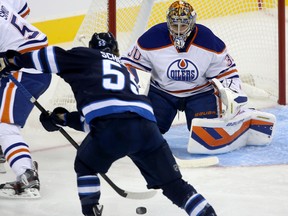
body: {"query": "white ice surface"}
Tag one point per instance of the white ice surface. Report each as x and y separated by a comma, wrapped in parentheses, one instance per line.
(233, 191)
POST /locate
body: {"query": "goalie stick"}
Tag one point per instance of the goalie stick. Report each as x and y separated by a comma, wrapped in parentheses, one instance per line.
(197, 163)
(121, 192)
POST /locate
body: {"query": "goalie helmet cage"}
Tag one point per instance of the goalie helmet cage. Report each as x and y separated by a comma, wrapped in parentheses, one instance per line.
(253, 31)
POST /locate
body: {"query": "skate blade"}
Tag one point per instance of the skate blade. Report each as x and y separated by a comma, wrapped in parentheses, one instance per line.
(30, 193)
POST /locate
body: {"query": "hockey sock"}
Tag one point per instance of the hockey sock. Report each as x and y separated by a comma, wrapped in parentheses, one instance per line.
(178, 192)
(198, 205)
(89, 192)
(15, 149)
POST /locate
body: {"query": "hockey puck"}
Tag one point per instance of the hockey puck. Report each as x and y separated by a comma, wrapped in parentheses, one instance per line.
(141, 210)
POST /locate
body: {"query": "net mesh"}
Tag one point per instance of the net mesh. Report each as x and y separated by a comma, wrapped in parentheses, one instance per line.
(248, 27)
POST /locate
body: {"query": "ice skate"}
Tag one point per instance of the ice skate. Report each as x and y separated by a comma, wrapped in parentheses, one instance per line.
(97, 210)
(28, 186)
(208, 211)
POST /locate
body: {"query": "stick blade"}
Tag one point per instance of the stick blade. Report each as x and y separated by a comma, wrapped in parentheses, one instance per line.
(200, 162)
(141, 195)
(128, 194)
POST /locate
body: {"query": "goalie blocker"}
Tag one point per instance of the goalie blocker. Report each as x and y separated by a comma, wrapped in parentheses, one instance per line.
(215, 136)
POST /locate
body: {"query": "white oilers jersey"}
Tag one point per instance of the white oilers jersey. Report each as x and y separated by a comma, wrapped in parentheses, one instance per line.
(17, 33)
(181, 72)
(20, 6)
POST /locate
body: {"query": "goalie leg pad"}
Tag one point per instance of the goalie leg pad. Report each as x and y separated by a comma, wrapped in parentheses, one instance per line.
(216, 136)
(261, 128)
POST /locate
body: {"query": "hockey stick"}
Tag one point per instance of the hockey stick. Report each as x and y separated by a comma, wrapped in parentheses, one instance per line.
(121, 192)
(81, 38)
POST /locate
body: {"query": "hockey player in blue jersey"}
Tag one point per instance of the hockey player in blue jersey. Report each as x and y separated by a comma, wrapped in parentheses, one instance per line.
(121, 122)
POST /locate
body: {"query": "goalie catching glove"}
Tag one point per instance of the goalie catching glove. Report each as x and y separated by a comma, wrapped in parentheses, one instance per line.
(53, 121)
(231, 96)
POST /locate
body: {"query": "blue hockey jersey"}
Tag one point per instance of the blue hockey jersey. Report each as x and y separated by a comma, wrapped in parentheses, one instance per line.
(100, 83)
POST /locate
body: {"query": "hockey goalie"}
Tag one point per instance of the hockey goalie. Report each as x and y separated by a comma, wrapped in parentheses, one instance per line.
(237, 127)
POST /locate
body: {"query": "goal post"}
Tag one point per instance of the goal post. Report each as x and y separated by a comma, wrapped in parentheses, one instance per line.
(112, 20)
(253, 31)
(282, 52)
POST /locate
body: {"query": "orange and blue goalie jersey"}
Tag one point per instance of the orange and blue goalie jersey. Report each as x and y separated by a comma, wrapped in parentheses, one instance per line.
(183, 72)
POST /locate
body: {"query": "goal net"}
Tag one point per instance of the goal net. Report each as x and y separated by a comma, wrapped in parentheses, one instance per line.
(248, 27)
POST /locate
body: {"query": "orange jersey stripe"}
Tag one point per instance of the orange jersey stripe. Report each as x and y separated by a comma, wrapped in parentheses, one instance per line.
(26, 13)
(32, 48)
(16, 152)
(7, 103)
(190, 90)
(227, 73)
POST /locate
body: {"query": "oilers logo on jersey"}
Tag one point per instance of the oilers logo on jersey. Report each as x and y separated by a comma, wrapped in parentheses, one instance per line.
(182, 70)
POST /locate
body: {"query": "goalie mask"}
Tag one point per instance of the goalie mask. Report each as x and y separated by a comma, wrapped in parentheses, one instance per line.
(104, 41)
(181, 19)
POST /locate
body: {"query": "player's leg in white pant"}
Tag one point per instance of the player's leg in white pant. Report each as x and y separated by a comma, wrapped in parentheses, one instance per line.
(17, 154)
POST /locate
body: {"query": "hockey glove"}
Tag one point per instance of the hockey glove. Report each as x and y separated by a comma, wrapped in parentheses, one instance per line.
(53, 121)
(5, 71)
(9, 63)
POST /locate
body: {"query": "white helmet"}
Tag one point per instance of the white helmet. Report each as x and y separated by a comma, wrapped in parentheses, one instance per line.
(181, 19)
